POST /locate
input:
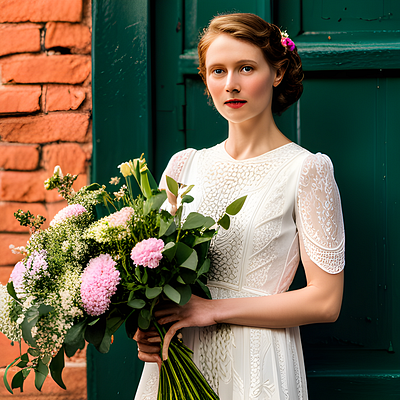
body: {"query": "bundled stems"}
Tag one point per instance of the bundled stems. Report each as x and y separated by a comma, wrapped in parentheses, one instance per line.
(180, 379)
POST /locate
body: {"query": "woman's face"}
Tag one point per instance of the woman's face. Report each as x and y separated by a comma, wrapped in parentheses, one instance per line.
(239, 79)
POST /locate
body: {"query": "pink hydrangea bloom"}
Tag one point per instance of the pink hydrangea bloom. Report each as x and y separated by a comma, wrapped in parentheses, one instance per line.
(99, 283)
(148, 252)
(67, 212)
(121, 217)
(17, 277)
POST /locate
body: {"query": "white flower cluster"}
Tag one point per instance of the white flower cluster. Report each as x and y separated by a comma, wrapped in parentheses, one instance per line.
(9, 327)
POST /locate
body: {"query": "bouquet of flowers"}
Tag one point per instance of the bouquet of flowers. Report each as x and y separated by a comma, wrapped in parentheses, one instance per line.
(85, 276)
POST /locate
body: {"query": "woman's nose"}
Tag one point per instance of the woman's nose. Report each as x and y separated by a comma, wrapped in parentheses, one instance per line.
(232, 83)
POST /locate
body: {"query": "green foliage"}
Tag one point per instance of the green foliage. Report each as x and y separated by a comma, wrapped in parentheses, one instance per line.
(28, 219)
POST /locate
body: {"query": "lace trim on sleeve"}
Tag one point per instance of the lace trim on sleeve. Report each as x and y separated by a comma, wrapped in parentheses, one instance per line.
(320, 211)
(175, 167)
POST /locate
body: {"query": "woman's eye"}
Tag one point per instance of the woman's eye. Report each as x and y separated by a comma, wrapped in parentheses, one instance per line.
(218, 71)
(247, 68)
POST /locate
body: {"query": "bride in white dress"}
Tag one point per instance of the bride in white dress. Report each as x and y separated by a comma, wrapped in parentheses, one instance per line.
(246, 340)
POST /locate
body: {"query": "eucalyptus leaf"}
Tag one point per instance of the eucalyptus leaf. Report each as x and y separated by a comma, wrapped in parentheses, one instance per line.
(187, 199)
(236, 206)
(172, 185)
(209, 222)
(188, 276)
(39, 380)
(31, 318)
(205, 289)
(42, 367)
(75, 335)
(105, 344)
(154, 202)
(185, 292)
(169, 250)
(56, 367)
(136, 303)
(191, 261)
(205, 237)
(183, 252)
(194, 220)
(18, 381)
(94, 334)
(204, 268)
(144, 319)
(172, 293)
(114, 323)
(11, 290)
(45, 309)
(180, 280)
(225, 221)
(151, 293)
(172, 228)
(164, 225)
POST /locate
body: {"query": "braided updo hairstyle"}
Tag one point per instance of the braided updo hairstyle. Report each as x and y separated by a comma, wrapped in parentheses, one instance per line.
(253, 29)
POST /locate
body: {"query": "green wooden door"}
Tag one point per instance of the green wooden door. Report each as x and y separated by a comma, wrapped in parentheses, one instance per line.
(148, 97)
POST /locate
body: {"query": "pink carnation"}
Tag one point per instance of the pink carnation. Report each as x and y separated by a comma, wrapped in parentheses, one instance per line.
(148, 252)
(17, 277)
(99, 283)
(67, 212)
(121, 217)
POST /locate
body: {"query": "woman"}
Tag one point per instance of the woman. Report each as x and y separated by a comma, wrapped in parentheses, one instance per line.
(246, 340)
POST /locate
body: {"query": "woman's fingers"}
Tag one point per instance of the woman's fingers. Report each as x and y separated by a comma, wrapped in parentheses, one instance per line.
(148, 343)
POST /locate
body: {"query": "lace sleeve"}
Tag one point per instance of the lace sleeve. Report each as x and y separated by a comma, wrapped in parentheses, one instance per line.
(319, 214)
(175, 167)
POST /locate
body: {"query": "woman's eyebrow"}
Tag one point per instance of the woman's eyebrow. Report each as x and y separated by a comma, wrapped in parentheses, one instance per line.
(236, 62)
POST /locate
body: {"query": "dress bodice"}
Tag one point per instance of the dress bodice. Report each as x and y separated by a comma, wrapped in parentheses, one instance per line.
(289, 191)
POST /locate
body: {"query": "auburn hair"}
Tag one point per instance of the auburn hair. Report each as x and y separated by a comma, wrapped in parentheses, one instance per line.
(253, 29)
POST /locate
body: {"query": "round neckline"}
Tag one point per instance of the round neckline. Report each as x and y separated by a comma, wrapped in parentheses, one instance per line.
(223, 149)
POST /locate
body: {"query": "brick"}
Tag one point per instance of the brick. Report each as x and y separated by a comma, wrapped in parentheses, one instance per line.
(17, 239)
(63, 97)
(69, 156)
(54, 208)
(8, 223)
(22, 186)
(66, 68)
(64, 126)
(19, 38)
(40, 10)
(5, 272)
(21, 98)
(76, 37)
(20, 157)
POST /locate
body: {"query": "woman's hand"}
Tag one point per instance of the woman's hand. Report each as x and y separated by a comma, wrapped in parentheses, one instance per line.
(196, 312)
(148, 343)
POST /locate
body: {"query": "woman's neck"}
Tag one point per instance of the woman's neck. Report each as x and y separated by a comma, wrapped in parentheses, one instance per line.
(249, 139)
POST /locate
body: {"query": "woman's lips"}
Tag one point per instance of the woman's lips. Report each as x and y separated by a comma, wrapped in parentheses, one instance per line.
(235, 103)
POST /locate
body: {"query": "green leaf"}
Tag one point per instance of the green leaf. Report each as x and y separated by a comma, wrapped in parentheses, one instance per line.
(76, 333)
(154, 202)
(42, 367)
(205, 237)
(169, 250)
(204, 268)
(145, 185)
(93, 186)
(185, 292)
(225, 221)
(151, 293)
(145, 276)
(191, 261)
(26, 372)
(144, 319)
(172, 185)
(46, 359)
(113, 324)
(91, 323)
(236, 206)
(31, 318)
(39, 380)
(131, 324)
(180, 280)
(105, 344)
(183, 252)
(194, 220)
(152, 181)
(56, 367)
(18, 381)
(11, 290)
(136, 303)
(94, 334)
(205, 289)
(187, 190)
(172, 293)
(171, 229)
(164, 225)
(188, 276)
(187, 199)
(33, 352)
(209, 222)
(5, 375)
(44, 309)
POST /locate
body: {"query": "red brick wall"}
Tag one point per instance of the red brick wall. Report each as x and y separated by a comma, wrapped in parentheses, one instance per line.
(45, 120)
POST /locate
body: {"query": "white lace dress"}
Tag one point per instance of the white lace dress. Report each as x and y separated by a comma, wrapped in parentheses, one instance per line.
(290, 193)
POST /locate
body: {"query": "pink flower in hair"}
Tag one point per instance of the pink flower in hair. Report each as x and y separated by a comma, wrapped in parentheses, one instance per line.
(148, 252)
(67, 212)
(287, 42)
(99, 283)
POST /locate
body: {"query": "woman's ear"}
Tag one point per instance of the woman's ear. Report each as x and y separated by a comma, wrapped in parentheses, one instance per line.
(279, 76)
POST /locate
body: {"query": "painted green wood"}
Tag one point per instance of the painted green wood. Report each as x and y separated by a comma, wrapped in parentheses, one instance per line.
(122, 129)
